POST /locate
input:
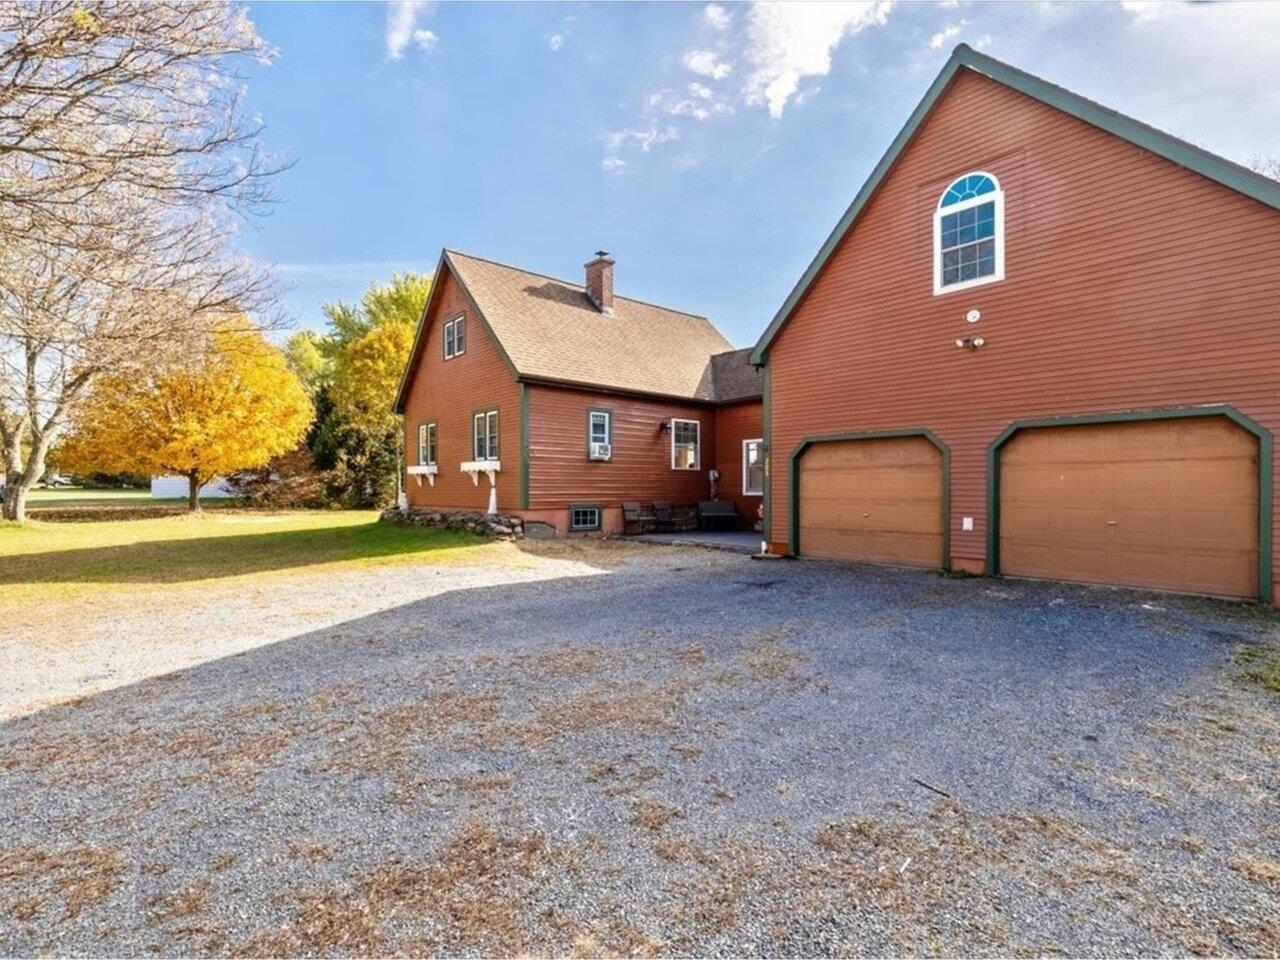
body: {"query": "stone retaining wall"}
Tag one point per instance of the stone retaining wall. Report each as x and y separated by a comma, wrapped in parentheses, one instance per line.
(498, 526)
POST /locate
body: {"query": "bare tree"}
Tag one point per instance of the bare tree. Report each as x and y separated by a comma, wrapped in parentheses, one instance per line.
(124, 158)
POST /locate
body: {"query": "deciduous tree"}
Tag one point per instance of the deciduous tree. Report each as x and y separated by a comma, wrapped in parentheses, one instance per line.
(232, 406)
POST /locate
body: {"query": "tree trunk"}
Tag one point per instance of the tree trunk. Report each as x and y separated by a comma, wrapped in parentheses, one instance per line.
(193, 492)
(15, 498)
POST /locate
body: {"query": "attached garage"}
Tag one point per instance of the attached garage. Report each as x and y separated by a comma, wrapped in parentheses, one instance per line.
(876, 498)
(1171, 503)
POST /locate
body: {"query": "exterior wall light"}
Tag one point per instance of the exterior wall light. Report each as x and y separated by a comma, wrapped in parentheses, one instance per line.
(970, 343)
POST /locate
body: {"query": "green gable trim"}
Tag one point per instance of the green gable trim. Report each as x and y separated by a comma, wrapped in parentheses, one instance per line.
(1265, 453)
(1229, 174)
(807, 442)
(524, 446)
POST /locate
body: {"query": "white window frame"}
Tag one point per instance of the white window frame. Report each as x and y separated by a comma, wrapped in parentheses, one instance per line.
(451, 330)
(490, 451)
(746, 490)
(592, 414)
(940, 211)
(428, 436)
(697, 446)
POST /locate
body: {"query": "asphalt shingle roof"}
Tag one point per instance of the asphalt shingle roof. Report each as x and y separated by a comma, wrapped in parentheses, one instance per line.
(551, 330)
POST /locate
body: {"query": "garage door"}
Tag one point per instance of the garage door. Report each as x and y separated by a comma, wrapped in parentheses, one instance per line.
(1171, 504)
(877, 500)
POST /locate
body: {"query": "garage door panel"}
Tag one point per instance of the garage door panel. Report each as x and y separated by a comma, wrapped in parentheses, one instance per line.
(878, 500)
(1169, 504)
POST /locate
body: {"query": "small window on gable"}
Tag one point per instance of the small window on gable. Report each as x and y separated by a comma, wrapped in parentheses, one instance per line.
(455, 338)
(968, 234)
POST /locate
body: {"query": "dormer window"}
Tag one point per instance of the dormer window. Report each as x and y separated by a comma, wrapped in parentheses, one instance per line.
(968, 234)
(455, 338)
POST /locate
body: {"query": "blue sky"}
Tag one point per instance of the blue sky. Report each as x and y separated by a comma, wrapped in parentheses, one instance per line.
(710, 147)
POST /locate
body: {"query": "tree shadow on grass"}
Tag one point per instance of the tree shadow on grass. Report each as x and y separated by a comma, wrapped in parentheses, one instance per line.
(208, 558)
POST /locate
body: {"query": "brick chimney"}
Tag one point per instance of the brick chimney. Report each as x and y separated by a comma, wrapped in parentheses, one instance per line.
(600, 281)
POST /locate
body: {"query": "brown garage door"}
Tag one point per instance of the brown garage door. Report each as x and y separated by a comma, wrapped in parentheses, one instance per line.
(878, 500)
(1171, 504)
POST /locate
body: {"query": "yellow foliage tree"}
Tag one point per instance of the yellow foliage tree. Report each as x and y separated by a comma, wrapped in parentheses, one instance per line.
(367, 374)
(234, 407)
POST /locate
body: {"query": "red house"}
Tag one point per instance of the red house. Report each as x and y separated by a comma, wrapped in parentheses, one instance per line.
(1042, 341)
(557, 402)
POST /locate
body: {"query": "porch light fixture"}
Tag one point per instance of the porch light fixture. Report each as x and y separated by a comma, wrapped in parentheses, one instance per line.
(664, 427)
(969, 343)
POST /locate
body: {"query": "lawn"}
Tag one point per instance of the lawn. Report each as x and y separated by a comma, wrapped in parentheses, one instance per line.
(41, 561)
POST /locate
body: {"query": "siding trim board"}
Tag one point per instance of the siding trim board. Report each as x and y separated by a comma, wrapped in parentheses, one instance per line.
(807, 442)
(1265, 452)
(1187, 155)
(524, 446)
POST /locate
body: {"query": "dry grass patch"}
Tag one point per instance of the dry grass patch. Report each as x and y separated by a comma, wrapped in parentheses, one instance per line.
(1257, 869)
(82, 876)
(476, 896)
(653, 815)
(606, 706)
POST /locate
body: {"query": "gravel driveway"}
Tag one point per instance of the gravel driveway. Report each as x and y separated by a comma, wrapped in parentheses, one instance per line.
(696, 753)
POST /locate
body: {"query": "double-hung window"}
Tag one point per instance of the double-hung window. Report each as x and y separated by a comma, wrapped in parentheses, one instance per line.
(599, 435)
(686, 444)
(455, 338)
(753, 467)
(426, 444)
(968, 234)
(484, 444)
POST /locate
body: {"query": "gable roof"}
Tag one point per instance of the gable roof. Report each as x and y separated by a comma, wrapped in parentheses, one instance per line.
(549, 330)
(1229, 174)
(730, 377)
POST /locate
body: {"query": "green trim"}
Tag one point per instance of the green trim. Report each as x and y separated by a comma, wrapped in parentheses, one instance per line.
(598, 507)
(766, 432)
(419, 337)
(477, 412)
(807, 442)
(1265, 452)
(524, 446)
(1231, 175)
(607, 411)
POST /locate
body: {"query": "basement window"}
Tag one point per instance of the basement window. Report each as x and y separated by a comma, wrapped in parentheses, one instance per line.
(968, 234)
(583, 516)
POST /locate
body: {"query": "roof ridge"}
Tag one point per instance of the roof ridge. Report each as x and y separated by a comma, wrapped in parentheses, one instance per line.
(577, 286)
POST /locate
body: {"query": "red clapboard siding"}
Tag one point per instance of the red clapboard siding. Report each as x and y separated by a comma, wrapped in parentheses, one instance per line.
(1131, 283)
(448, 392)
(561, 474)
(734, 423)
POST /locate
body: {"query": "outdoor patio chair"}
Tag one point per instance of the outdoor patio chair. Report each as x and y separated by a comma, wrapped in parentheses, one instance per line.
(662, 513)
(634, 520)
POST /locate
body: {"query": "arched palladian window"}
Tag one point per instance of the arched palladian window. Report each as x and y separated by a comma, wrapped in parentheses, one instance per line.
(968, 233)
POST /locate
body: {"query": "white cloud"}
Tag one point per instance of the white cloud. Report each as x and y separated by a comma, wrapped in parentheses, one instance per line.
(700, 91)
(555, 41)
(706, 64)
(946, 33)
(787, 42)
(716, 17)
(404, 18)
(1144, 11)
(612, 163)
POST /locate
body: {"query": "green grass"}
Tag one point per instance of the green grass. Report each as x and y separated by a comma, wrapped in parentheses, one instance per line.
(79, 498)
(40, 561)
